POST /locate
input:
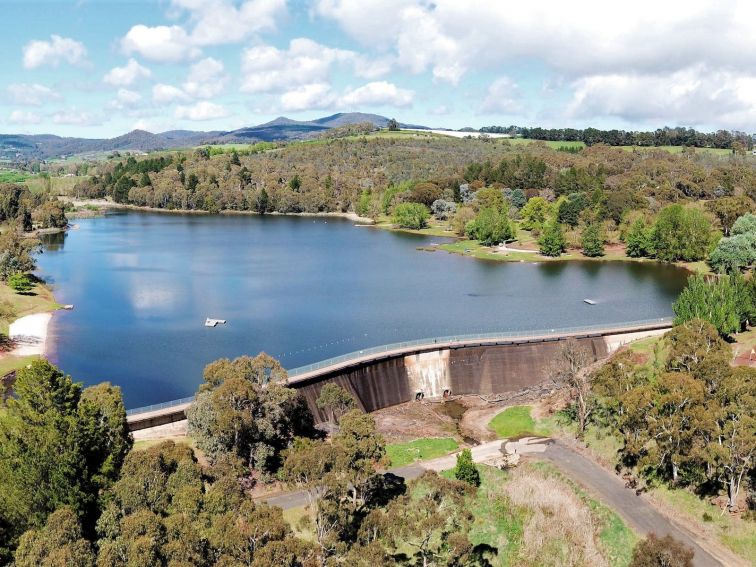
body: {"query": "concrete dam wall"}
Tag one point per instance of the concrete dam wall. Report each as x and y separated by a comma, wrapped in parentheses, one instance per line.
(487, 369)
(390, 376)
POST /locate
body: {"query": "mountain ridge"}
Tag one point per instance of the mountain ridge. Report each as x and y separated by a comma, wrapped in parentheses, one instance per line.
(15, 147)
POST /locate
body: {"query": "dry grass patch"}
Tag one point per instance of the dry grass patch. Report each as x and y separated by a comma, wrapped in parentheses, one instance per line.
(560, 530)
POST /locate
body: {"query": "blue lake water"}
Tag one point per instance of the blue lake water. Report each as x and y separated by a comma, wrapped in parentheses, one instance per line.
(301, 289)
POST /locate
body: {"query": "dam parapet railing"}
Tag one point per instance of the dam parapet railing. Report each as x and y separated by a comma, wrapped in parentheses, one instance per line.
(441, 342)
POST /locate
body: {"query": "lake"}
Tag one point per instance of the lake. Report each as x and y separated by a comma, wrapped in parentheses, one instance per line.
(302, 289)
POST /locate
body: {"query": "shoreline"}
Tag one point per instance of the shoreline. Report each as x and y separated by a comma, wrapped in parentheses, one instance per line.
(30, 334)
(477, 252)
(106, 204)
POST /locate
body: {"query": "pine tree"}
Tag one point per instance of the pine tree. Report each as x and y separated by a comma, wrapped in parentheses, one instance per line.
(552, 242)
(593, 241)
(466, 470)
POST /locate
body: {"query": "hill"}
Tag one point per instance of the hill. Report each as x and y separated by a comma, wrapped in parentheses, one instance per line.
(15, 147)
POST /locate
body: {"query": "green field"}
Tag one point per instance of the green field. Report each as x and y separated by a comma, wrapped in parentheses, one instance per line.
(515, 422)
(401, 454)
(13, 176)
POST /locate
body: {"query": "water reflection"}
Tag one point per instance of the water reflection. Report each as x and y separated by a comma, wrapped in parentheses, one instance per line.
(303, 291)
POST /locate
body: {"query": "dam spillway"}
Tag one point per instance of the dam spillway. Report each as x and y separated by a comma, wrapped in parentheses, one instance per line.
(394, 374)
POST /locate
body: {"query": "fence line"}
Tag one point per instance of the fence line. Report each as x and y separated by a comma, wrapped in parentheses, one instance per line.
(461, 338)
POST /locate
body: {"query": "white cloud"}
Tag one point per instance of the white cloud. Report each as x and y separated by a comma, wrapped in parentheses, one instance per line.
(211, 22)
(127, 75)
(31, 94)
(125, 99)
(377, 93)
(202, 110)
(206, 79)
(503, 97)
(163, 94)
(308, 97)
(217, 22)
(449, 37)
(24, 117)
(74, 117)
(164, 44)
(691, 96)
(54, 52)
(268, 69)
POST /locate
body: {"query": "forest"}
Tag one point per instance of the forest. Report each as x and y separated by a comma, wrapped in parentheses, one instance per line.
(688, 137)
(672, 207)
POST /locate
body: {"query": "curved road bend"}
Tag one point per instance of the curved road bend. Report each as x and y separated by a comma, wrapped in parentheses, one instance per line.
(640, 514)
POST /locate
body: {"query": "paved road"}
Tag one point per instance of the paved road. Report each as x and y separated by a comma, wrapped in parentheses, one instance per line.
(602, 484)
(638, 512)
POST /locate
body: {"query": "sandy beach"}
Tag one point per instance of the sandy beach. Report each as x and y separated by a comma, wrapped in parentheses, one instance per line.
(30, 334)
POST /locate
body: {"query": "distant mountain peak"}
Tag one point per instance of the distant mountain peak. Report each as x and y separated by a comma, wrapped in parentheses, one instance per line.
(282, 128)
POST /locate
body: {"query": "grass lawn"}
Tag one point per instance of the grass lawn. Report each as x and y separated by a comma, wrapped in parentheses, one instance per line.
(146, 444)
(497, 522)
(554, 144)
(400, 454)
(516, 422)
(298, 518)
(39, 300)
(434, 228)
(738, 535)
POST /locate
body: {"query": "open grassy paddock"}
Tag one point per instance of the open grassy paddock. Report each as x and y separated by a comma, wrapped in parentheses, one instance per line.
(400, 454)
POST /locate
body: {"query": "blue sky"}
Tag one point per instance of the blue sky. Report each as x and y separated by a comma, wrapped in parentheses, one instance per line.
(94, 68)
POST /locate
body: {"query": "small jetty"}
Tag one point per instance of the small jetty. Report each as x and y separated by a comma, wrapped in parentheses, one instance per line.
(214, 322)
(590, 301)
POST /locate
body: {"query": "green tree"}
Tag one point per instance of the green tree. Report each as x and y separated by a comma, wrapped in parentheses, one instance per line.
(734, 253)
(295, 183)
(393, 125)
(490, 227)
(262, 202)
(363, 205)
(638, 240)
(517, 198)
(726, 303)
(465, 469)
(50, 214)
(569, 209)
(335, 400)
(60, 543)
(244, 409)
(432, 519)
(593, 241)
(744, 225)
(411, 215)
(16, 254)
(681, 233)
(535, 213)
(20, 283)
(729, 209)
(490, 198)
(235, 158)
(552, 241)
(59, 446)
